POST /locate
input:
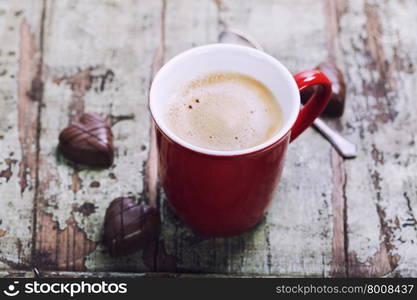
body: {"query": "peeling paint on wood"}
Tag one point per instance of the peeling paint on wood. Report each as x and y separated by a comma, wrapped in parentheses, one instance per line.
(330, 217)
(339, 267)
(105, 71)
(19, 66)
(73, 245)
(380, 124)
(7, 173)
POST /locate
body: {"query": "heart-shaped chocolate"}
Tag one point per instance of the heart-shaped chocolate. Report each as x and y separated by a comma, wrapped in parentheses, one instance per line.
(129, 226)
(88, 142)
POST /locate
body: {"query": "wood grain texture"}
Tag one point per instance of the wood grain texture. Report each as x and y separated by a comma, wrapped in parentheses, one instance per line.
(375, 39)
(333, 9)
(330, 217)
(20, 33)
(97, 58)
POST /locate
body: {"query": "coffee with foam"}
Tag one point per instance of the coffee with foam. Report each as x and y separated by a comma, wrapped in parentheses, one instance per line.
(224, 111)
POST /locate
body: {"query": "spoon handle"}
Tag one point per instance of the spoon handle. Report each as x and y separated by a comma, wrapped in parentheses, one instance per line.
(345, 148)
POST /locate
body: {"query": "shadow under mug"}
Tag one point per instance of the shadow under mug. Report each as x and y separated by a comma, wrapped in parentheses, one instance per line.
(224, 193)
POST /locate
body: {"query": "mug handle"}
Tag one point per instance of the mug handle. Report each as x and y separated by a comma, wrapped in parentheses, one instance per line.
(317, 102)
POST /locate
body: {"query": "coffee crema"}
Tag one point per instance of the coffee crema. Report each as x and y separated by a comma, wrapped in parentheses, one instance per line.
(224, 111)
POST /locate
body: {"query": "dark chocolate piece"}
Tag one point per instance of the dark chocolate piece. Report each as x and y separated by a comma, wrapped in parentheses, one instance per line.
(129, 226)
(336, 104)
(88, 142)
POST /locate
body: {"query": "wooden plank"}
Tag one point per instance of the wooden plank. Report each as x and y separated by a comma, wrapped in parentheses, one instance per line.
(98, 57)
(66, 274)
(356, 218)
(377, 45)
(20, 91)
(333, 9)
(295, 238)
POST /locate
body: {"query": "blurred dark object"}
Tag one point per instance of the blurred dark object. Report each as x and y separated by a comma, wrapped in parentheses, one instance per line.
(129, 226)
(36, 273)
(336, 105)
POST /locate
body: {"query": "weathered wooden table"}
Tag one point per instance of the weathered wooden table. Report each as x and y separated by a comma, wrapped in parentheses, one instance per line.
(330, 217)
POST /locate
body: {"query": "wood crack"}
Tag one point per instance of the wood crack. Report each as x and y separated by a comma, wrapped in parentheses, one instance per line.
(36, 93)
(339, 265)
(381, 88)
(412, 221)
(268, 248)
(154, 255)
(345, 225)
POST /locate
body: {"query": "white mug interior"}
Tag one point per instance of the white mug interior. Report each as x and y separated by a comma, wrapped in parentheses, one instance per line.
(201, 60)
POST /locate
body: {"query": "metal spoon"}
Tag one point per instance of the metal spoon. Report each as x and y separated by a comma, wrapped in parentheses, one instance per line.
(345, 148)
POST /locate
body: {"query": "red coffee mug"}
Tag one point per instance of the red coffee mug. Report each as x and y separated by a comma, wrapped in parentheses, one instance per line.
(224, 193)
